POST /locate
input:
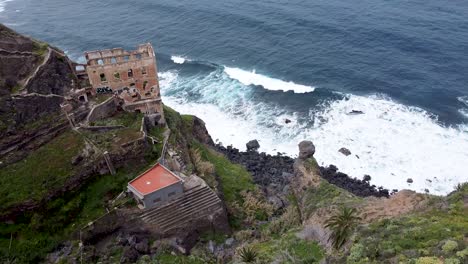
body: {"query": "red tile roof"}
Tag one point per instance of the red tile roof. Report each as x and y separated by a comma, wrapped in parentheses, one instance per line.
(154, 179)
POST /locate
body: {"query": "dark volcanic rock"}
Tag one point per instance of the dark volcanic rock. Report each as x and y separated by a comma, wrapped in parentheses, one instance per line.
(275, 172)
(409, 180)
(265, 169)
(353, 185)
(345, 151)
(366, 178)
(306, 149)
(287, 121)
(142, 247)
(356, 112)
(77, 159)
(253, 145)
(130, 255)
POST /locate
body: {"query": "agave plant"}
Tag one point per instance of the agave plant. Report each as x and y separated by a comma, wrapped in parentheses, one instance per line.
(248, 255)
(342, 225)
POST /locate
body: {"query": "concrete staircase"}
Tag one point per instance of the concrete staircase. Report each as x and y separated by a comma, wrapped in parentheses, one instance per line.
(196, 203)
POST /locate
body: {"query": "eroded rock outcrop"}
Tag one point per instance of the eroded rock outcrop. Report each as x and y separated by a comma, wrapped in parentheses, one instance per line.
(34, 78)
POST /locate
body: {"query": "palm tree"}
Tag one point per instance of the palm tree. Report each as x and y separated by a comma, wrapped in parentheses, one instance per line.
(342, 225)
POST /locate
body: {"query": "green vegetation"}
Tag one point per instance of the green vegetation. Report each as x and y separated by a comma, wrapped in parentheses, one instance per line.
(169, 258)
(248, 255)
(100, 98)
(289, 249)
(40, 232)
(342, 225)
(113, 139)
(40, 48)
(233, 177)
(44, 121)
(16, 88)
(419, 237)
(327, 194)
(48, 168)
(122, 118)
(43, 170)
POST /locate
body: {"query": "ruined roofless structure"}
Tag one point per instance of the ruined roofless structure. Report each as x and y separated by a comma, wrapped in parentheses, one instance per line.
(130, 75)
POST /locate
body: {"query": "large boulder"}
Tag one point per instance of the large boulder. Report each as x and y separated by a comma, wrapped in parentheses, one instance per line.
(306, 149)
(345, 151)
(253, 145)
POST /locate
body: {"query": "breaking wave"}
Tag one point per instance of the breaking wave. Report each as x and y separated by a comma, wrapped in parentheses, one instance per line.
(2, 4)
(178, 59)
(389, 141)
(253, 78)
(464, 100)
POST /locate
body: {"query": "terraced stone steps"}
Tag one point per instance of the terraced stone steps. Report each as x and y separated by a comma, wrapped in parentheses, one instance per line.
(195, 204)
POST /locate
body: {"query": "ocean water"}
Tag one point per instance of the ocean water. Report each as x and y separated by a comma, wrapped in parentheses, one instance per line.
(247, 66)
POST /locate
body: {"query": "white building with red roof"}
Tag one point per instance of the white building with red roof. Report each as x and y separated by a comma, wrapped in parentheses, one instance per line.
(156, 186)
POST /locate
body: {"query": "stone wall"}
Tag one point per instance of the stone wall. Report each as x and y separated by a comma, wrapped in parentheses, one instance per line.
(104, 110)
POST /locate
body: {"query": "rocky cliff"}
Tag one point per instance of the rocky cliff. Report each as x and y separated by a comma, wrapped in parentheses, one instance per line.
(59, 203)
(30, 69)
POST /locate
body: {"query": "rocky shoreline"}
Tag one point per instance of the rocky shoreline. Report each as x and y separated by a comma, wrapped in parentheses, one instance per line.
(277, 170)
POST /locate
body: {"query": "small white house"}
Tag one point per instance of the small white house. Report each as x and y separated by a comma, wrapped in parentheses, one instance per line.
(156, 186)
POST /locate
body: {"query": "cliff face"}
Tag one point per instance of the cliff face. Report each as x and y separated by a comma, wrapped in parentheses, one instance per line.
(34, 77)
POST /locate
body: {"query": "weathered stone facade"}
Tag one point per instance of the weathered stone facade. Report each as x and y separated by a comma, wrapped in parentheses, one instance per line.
(129, 75)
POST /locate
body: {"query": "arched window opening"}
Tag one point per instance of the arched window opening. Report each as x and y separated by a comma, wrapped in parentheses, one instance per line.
(103, 77)
(130, 73)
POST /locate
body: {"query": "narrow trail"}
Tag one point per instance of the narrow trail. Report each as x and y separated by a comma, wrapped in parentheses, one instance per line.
(46, 59)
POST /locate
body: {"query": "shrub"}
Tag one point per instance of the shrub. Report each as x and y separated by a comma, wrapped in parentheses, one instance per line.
(248, 255)
(286, 221)
(253, 206)
(450, 246)
(452, 261)
(205, 168)
(428, 260)
(356, 253)
(244, 235)
(463, 254)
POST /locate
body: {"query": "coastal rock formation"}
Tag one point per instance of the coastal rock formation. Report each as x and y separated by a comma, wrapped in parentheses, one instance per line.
(345, 151)
(252, 145)
(357, 187)
(266, 169)
(306, 149)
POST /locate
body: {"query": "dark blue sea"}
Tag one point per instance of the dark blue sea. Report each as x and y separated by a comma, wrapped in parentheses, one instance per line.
(246, 67)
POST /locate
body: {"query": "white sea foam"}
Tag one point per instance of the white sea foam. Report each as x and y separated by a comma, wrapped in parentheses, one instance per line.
(464, 112)
(248, 78)
(464, 100)
(178, 59)
(2, 4)
(392, 142)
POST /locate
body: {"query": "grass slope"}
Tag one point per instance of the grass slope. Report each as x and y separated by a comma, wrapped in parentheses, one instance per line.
(45, 169)
(438, 235)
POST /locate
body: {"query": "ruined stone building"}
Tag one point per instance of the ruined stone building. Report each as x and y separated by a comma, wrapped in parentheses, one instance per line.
(129, 75)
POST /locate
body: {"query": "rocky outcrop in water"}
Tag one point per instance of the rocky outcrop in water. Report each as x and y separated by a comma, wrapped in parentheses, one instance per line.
(268, 170)
(306, 149)
(358, 187)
